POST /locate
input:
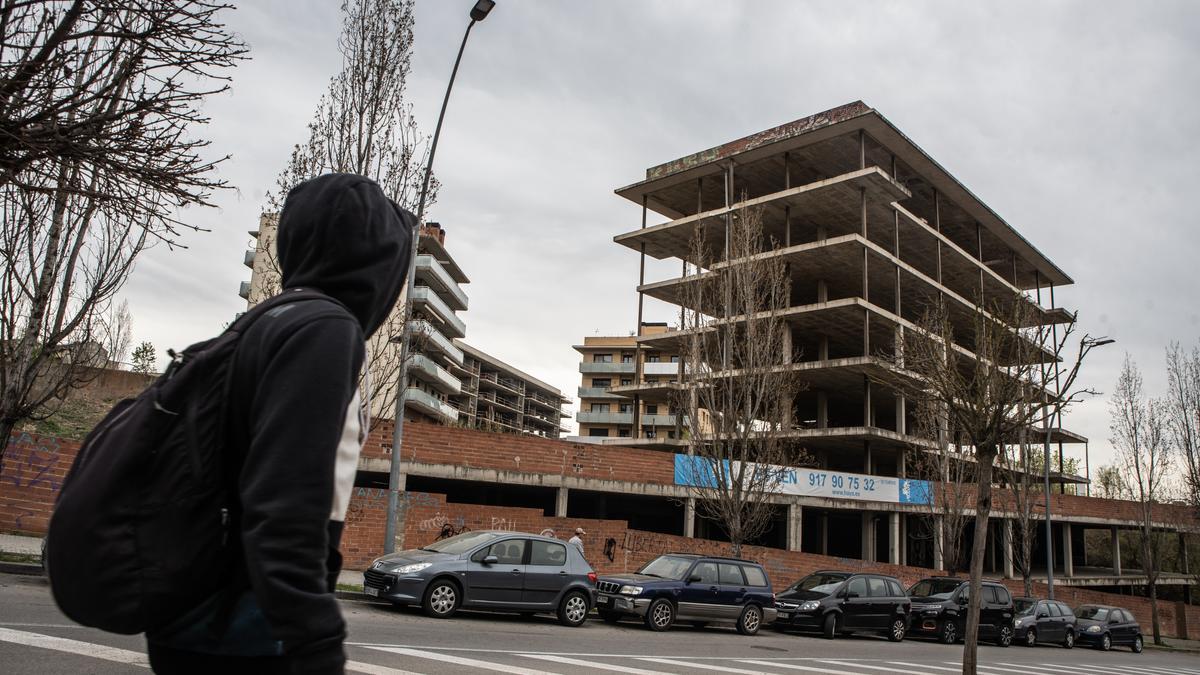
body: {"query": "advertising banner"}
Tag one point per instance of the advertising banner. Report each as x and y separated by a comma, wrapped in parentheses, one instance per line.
(691, 470)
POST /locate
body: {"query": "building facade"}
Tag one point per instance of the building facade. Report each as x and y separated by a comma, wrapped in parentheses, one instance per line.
(498, 397)
(608, 365)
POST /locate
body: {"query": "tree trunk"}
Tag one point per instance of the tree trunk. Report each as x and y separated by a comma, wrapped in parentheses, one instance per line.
(6, 429)
(1151, 570)
(983, 509)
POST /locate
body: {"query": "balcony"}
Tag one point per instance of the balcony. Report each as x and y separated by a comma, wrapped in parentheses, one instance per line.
(244, 290)
(429, 404)
(660, 368)
(433, 374)
(431, 273)
(660, 420)
(248, 259)
(597, 392)
(427, 338)
(427, 299)
(604, 418)
(606, 368)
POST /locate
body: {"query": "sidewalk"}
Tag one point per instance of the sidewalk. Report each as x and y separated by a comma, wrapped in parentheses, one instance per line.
(1174, 645)
(21, 545)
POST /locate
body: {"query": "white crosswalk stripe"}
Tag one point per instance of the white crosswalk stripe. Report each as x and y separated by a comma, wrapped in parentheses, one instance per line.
(1152, 670)
(1032, 667)
(70, 646)
(1091, 670)
(797, 666)
(1003, 668)
(461, 661)
(925, 665)
(612, 667)
(889, 669)
(373, 669)
(699, 666)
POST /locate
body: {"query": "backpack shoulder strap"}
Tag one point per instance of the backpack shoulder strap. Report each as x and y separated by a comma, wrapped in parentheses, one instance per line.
(290, 295)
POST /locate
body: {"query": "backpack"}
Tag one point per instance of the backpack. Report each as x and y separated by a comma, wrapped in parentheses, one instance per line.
(144, 527)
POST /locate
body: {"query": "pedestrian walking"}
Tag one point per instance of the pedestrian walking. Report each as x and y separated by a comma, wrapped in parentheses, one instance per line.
(576, 540)
(295, 425)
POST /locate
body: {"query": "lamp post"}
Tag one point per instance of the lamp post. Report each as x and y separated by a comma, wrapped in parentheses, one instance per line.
(1046, 471)
(478, 13)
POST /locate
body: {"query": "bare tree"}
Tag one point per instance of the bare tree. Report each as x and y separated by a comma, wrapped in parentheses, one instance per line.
(740, 390)
(1183, 414)
(1139, 436)
(1019, 472)
(362, 125)
(948, 470)
(99, 106)
(983, 366)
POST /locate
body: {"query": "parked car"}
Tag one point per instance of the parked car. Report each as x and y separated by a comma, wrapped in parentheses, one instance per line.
(1104, 627)
(939, 610)
(841, 602)
(1044, 621)
(507, 571)
(688, 587)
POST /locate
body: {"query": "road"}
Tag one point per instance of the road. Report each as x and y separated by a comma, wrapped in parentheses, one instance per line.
(36, 638)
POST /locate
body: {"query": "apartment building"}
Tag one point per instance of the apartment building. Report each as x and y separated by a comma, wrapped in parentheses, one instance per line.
(496, 396)
(610, 363)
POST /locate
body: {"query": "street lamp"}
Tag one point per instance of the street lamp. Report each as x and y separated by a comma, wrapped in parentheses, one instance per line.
(1046, 471)
(478, 13)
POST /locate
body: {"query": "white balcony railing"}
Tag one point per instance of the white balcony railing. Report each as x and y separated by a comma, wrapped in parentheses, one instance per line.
(433, 275)
(429, 404)
(427, 298)
(426, 337)
(436, 376)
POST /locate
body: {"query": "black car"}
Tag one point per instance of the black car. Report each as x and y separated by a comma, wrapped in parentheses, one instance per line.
(939, 610)
(1044, 621)
(688, 587)
(1104, 627)
(841, 602)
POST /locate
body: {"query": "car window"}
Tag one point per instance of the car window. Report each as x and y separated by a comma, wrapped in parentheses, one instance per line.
(1053, 609)
(1092, 612)
(877, 587)
(964, 593)
(989, 595)
(667, 567)
(811, 581)
(707, 572)
(461, 543)
(858, 585)
(507, 552)
(1064, 610)
(1127, 617)
(547, 553)
(934, 588)
(895, 588)
(731, 575)
(1002, 595)
(754, 575)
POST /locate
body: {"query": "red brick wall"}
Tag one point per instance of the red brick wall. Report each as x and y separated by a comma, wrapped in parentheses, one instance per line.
(31, 474)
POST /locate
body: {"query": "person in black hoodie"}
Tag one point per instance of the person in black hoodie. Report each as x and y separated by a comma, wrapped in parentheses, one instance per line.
(295, 420)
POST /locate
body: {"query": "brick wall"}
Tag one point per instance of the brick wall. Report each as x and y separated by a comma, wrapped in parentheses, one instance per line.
(31, 474)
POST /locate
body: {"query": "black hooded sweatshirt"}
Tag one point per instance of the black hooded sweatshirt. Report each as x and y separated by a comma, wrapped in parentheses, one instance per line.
(295, 378)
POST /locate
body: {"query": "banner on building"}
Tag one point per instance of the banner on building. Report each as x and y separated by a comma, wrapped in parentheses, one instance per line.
(696, 471)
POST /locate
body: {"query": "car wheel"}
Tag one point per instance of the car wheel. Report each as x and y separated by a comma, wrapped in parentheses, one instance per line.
(899, 626)
(949, 632)
(830, 627)
(441, 599)
(1137, 645)
(1069, 640)
(610, 617)
(1105, 643)
(660, 615)
(573, 609)
(699, 624)
(1005, 637)
(750, 620)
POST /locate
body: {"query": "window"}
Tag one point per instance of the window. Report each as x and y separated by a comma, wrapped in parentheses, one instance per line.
(989, 595)
(731, 575)
(597, 433)
(1005, 598)
(623, 433)
(895, 588)
(625, 381)
(653, 358)
(877, 587)
(674, 358)
(601, 358)
(857, 585)
(648, 432)
(754, 575)
(507, 552)
(599, 407)
(652, 410)
(707, 572)
(1065, 610)
(602, 382)
(625, 407)
(547, 553)
(1126, 617)
(670, 433)
(626, 357)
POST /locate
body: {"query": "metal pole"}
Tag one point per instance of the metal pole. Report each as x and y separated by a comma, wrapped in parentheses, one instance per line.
(393, 506)
(1049, 538)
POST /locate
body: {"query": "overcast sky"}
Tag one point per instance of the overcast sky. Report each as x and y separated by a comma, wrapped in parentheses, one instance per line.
(1075, 121)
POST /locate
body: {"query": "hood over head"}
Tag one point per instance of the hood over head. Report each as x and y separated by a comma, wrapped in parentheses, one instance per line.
(339, 234)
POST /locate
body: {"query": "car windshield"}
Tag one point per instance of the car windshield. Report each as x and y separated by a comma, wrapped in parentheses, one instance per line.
(934, 588)
(667, 567)
(814, 582)
(461, 543)
(825, 589)
(1094, 613)
(1024, 606)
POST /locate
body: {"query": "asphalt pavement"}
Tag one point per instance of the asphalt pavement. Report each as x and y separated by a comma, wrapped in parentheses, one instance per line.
(36, 638)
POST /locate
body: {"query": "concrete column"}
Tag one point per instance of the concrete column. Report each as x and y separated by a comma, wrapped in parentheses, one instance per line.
(903, 539)
(868, 463)
(1068, 563)
(901, 411)
(689, 517)
(822, 287)
(894, 538)
(1116, 551)
(939, 562)
(560, 502)
(901, 463)
(822, 410)
(1006, 542)
(824, 534)
(868, 536)
(795, 526)
(868, 407)
(823, 348)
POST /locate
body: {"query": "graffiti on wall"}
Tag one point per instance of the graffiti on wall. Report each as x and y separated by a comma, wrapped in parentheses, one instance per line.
(29, 462)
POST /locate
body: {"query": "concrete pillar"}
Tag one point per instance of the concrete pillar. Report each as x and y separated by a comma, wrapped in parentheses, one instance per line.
(868, 536)
(795, 526)
(1006, 542)
(903, 539)
(894, 538)
(868, 463)
(939, 562)
(822, 289)
(901, 411)
(901, 463)
(560, 502)
(1116, 551)
(824, 534)
(868, 408)
(689, 517)
(1068, 562)
(822, 410)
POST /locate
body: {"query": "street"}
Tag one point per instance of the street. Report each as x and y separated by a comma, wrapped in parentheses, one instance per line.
(36, 638)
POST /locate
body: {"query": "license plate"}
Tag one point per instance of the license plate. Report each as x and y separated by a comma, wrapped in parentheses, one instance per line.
(371, 591)
(785, 615)
(603, 600)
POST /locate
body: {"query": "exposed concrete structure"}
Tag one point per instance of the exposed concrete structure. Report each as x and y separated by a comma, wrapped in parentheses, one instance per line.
(499, 397)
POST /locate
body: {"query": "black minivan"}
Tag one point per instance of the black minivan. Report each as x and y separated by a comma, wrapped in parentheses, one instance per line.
(939, 610)
(841, 602)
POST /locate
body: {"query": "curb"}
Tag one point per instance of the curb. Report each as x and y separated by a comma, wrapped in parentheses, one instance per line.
(1180, 649)
(356, 596)
(25, 569)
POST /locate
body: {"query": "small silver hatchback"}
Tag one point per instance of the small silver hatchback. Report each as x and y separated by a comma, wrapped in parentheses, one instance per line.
(489, 570)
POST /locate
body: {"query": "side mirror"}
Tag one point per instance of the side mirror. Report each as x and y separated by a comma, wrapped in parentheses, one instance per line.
(850, 594)
(1042, 615)
(695, 578)
(1113, 621)
(962, 600)
(490, 560)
